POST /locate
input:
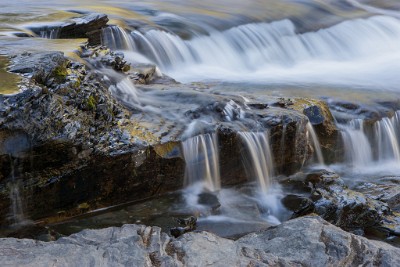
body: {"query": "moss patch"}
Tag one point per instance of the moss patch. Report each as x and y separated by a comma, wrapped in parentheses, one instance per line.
(91, 103)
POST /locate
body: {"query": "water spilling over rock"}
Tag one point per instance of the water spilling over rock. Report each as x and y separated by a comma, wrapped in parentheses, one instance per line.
(202, 161)
(378, 142)
(258, 158)
(315, 142)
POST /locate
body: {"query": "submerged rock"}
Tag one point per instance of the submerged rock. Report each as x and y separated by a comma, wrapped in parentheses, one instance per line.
(307, 241)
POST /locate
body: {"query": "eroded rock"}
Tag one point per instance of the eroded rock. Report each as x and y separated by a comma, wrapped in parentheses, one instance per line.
(307, 241)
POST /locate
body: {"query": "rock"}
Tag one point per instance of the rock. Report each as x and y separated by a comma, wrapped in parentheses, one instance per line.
(387, 192)
(307, 241)
(41, 66)
(346, 208)
(76, 124)
(143, 73)
(323, 122)
(314, 114)
(88, 26)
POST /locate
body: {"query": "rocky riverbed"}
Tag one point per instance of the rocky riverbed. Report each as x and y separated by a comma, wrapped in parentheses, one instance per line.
(87, 134)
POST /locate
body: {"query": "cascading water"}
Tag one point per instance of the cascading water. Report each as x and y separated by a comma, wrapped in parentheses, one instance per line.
(387, 139)
(259, 158)
(358, 150)
(202, 161)
(314, 139)
(362, 147)
(16, 208)
(274, 52)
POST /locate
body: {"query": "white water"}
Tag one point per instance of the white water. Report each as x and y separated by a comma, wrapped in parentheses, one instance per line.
(314, 139)
(358, 151)
(260, 158)
(202, 161)
(17, 217)
(387, 138)
(366, 149)
(360, 52)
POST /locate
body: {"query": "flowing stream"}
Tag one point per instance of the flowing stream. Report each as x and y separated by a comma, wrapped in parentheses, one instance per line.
(311, 46)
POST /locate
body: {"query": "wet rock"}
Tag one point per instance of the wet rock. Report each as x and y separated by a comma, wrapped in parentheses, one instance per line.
(186, 225)
(314, 114)
(209, 199)
(283, 102)
(388, 193)
(324, 125)
(88, 26)
(299, 205)
(307, 241)
(343, 207)
(42, 66)
(143, 73)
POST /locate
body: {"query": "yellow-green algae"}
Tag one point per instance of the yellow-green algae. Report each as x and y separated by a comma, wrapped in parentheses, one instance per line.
(8, 81)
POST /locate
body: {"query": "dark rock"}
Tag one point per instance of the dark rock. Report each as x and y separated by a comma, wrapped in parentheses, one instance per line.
(299, 205)
(314, 114)
(257, 105)
(88, 26)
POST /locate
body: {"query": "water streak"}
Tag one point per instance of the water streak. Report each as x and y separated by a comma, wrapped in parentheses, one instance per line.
(387, 139)
(202, 161)
(358, 151)
(16, 208)
(314, 139)
(259, 158)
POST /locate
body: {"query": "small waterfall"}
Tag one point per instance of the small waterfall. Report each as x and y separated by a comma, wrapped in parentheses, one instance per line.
(117, 38)
(363, 146)
(357, 147)
(50, 33)
(16, 217)
(202, 161)
(259, 158)
(314, 139)
(387, 138)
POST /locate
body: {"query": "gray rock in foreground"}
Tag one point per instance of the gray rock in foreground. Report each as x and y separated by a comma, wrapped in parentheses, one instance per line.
(306, 241)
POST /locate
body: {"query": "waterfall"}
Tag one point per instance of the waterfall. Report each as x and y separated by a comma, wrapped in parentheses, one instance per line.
(259, 158)
(314, 139)
(16, 217)
(360, 144)
(274, 52)
(50, 33)
(202, 161)
(358, 151)
(387, 138)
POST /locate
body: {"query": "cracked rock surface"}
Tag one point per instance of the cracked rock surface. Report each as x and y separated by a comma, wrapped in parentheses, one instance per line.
(306, 241)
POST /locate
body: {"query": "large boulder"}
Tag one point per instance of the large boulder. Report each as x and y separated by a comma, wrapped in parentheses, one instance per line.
(307, 241)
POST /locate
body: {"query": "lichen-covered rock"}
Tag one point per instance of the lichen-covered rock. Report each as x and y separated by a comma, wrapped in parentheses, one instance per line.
(307, 241)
